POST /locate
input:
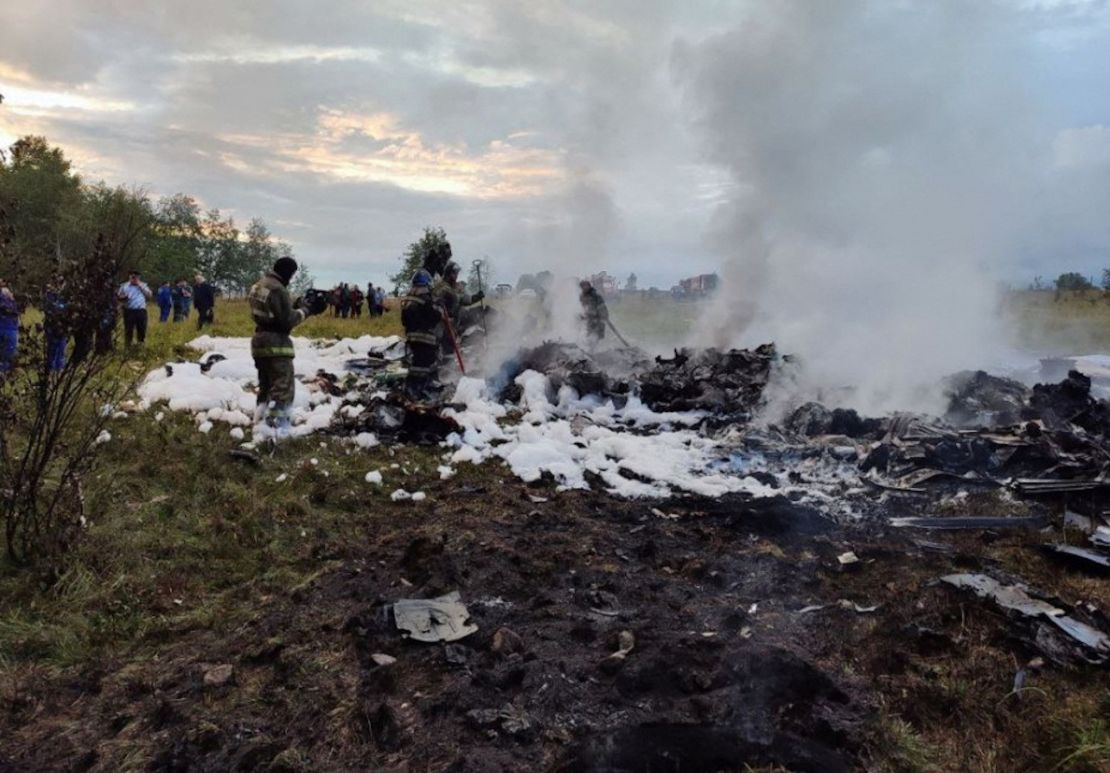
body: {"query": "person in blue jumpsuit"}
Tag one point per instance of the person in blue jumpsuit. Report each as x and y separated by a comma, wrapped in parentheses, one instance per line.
(9, 327)
(165, 302)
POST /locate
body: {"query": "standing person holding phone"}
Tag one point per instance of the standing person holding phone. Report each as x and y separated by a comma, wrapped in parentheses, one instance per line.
(134, 294)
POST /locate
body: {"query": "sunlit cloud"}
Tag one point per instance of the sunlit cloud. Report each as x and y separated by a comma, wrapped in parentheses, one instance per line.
(374, 147)
(281, 55)
(36, 101)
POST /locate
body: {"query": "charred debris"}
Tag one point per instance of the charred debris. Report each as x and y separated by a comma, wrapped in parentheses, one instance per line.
(1049, 441)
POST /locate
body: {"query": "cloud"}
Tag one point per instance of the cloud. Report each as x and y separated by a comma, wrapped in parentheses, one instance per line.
(530, 131)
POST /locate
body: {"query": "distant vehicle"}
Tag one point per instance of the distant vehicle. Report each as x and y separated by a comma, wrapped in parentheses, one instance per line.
(503, 290)
(696, 287)
(527, 292)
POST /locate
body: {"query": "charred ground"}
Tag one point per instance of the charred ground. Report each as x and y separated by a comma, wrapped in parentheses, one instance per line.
(219, 618)
(727, 671)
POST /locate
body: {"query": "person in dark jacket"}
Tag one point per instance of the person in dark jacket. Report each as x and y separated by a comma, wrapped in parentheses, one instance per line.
(182, 300)
(204, 298)
(9, 327)
(165, 301)
(421, 317)
(275, 315)
(594, 312)
(356, 302)
(372, 308)
(344, 301)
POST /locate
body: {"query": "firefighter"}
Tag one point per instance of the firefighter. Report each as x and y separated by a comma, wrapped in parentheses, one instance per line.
(594, 312)
(452, 296)
(422, 317)
(436, 260)
(275, 315)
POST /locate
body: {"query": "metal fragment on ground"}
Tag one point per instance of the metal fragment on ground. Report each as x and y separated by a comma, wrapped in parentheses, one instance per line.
(1095, 644)
(1084, 558)
(971, 522)
(433, 620)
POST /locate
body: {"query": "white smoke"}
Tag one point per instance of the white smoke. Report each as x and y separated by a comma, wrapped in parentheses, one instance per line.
(884, 160)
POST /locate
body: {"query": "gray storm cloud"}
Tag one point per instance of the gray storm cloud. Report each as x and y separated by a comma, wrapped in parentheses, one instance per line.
(887, 163)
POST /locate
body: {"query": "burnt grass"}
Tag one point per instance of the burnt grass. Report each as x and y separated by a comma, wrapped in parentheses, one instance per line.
(727, 672)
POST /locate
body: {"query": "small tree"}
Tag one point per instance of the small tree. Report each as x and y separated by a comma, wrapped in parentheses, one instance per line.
(52, 418)
(1073, 281)
(630, 283)
(303, 280)
(175, 249)
(429, 248)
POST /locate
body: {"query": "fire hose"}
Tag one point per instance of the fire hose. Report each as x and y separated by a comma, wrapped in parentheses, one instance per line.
(617, 333)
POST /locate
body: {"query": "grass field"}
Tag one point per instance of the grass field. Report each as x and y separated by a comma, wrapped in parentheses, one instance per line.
(1075, 323)
(190, 549)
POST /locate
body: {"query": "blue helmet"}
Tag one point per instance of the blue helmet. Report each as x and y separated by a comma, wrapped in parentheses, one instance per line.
(421, 279)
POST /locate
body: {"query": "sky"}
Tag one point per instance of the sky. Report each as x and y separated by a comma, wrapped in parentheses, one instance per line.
(577, 136)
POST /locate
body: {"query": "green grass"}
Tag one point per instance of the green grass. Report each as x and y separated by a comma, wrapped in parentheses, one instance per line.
(1077, 323)
(169, 340)
(182, 538)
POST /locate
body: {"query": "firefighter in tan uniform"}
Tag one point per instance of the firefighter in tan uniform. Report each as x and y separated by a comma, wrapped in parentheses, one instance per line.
(275, 316)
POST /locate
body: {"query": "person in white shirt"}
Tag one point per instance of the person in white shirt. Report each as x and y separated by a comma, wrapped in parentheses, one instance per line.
(134, 294)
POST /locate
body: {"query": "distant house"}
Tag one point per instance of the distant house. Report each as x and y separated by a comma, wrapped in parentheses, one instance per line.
(605, 284)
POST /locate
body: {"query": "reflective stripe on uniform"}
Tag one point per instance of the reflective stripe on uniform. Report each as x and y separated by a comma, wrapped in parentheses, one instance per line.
(421, 338)
(273, 351)
(259, 303)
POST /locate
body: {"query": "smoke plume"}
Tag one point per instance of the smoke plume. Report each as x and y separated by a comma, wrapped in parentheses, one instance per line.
(883, 157)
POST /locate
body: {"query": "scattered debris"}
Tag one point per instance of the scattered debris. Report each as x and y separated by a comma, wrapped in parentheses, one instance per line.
(859, 609)
(1083, 641)
(1082, 558)
(976, 398)
(245, 456)
(626, 642)
(506, 642)
(433, 620)
(729, 383)
(393, 415)
(219, 676)
(971, 522)
(381, 659)
(510, 718)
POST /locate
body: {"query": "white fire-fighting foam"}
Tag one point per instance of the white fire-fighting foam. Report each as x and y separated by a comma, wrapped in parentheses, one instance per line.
(632, 451)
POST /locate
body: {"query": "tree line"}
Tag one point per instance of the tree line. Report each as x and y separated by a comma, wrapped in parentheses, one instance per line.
(55, 218)
(1072, 281)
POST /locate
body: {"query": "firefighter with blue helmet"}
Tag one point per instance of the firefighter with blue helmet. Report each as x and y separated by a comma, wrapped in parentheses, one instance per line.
(421, 316)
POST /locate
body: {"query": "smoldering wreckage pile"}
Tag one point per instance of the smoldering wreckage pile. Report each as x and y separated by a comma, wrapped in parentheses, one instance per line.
(715, 551)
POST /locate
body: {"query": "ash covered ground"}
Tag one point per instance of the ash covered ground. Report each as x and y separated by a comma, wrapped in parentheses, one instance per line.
(658, 576)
